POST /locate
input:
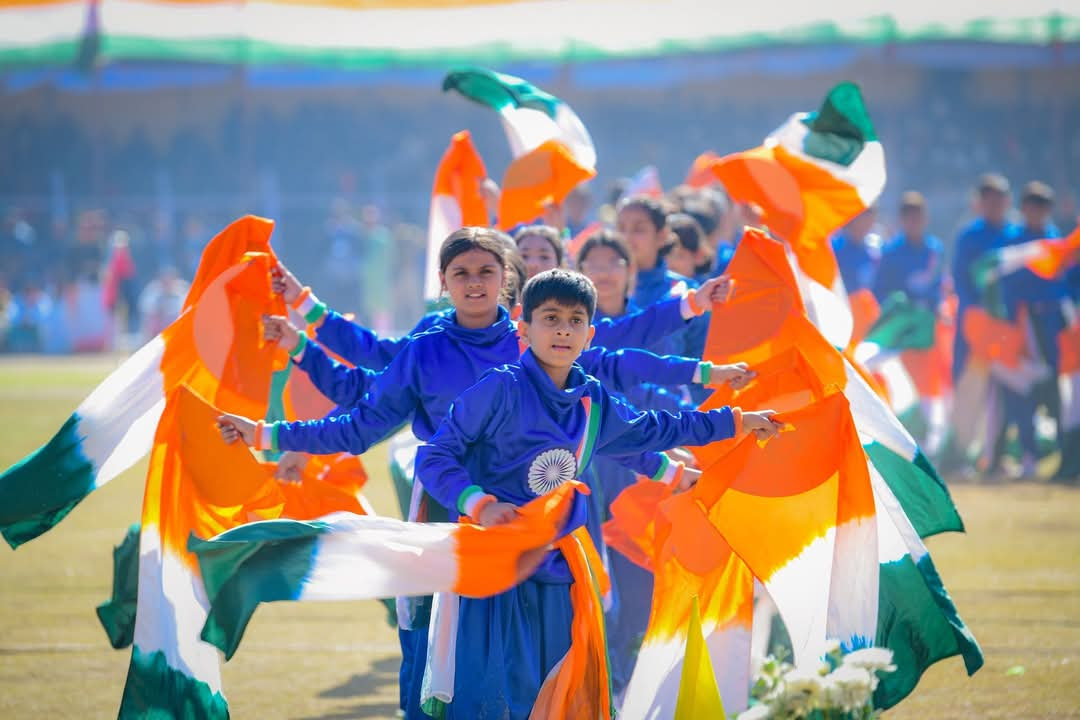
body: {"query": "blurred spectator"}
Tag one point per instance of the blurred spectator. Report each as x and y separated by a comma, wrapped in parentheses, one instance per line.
(376, 258)
(912, 262)
(858, 251)
(341, 266)
(29, 317)
(576, 206)
(85, 318)
(161, 301)
(120, 292)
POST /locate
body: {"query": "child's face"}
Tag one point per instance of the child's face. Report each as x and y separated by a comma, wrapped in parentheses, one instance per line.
(644, 240)
(681, 260)
(608, 271)
(474, 279)
(557, 333)
(537, 253)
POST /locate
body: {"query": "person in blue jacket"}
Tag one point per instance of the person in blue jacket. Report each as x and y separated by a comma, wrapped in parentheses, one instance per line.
(642, 222)
(1043, 300)
(519, 433)
(914, 260)
(434, 368)
(993, 198)
(858, 251)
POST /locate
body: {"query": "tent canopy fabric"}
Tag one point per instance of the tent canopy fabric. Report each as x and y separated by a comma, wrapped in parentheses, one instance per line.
(377, 34)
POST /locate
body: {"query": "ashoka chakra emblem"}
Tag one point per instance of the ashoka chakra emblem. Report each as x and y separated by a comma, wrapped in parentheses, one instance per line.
(551, 469)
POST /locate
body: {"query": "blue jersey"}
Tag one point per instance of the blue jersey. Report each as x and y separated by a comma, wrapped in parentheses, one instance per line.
(517, 436)
(913, 268)
(659, 284)
(973, 241)
(858, 262)
(1024, 286)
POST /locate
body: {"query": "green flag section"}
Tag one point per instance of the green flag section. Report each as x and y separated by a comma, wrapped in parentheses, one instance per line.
(155, 689)
(903, 325)
(699, 696)
(917, 619)
(117, 614)
(110, 431)
(531, 116)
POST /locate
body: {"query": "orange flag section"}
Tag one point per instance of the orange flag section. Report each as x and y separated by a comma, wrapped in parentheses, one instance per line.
(216, 345)
(865, 311)
(751, 487)
(701, 171)
(694, 559)
(992, 339)
(198, 484)
(632, 527)
(804, 203)
(1056, 255)
(459, 175)
(754, 323)
(249, 234)
(536, 179)
(579, 686)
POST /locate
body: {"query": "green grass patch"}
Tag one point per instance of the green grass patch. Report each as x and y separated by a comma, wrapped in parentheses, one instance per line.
(1015, 578)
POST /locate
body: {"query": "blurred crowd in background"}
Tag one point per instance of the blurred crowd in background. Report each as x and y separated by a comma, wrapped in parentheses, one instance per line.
(100, 230)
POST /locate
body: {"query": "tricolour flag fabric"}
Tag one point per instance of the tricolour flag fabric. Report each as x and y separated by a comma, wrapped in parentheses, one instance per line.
(113, 427)
(766, 289)
(344, 556)
(456, 201)
(811, 176)
(197, 484)
(1046, 258)
(553, 152)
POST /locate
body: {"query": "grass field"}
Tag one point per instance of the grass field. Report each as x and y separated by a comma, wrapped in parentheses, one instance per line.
(1015, 577)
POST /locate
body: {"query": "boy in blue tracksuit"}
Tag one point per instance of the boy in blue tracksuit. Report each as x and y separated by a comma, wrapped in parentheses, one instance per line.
(1043, 300)
(913, 261)
(857, 252)
(987, 232)
(517, 434)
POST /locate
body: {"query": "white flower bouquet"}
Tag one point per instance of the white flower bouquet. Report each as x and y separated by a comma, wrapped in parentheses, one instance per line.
(840, 687)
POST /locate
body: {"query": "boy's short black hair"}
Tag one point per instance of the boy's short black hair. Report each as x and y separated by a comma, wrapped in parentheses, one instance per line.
(566, 287)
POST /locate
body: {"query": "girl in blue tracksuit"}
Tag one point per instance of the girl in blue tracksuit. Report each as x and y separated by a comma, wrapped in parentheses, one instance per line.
(521, 431)
(641, 220)
(433, 368)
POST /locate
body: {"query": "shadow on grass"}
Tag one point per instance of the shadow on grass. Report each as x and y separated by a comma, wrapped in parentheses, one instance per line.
(378, 710)
(383, 673)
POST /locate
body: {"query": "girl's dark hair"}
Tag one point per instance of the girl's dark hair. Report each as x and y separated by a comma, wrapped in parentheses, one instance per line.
(474, 238)
(553, 236)
(516, 278)
(651, 206)
(566, 287)
(687, 231)
(604, 238)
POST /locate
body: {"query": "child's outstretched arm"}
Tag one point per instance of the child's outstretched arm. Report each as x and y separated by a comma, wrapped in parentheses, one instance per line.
(649, 326)
(357, 344)
(625, 431)
(390, 402)
(344, 385)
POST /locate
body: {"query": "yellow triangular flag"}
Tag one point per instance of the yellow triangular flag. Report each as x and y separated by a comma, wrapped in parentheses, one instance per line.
(699, 697)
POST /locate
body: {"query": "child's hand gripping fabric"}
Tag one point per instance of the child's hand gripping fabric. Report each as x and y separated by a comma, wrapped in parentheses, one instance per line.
(737, 375)
(290, 467)
(494, 513)
(284, 283)
(761, 424)
(712, 291)
(238, 427)
(278, 329)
